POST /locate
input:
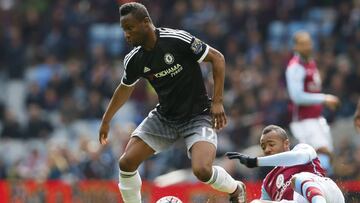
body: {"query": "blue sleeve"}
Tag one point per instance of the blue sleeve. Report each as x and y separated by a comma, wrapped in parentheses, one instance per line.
(301, 154)
(264, 194)
(295, 77)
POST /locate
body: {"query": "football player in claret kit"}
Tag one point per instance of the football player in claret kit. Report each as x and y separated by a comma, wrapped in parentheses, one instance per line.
(297, 176)
(304, 87)
(169, 59)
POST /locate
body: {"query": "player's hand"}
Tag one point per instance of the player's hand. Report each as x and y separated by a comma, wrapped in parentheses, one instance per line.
(331, 101)
(248, 161)
(103, 133)
(218, 115)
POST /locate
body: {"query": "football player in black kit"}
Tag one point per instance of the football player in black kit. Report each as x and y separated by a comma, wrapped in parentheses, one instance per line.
(169, 59)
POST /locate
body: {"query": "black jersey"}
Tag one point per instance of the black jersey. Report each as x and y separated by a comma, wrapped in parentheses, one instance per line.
(172, 67)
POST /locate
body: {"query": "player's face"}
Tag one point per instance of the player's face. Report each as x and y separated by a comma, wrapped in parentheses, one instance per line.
(134, 29)
(304, 45)
(272, 143)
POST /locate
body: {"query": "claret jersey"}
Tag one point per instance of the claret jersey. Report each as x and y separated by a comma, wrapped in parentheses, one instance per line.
(276, 185)
(172, 67)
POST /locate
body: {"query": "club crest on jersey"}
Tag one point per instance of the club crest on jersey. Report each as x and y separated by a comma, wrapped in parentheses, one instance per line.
(280, 181)
(169, 58)
(196, 46)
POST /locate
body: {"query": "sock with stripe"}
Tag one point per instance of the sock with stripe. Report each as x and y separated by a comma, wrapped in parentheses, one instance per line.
(130, 186)
(221, 180)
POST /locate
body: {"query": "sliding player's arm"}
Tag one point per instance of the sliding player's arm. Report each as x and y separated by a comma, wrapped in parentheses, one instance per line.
(301, 154)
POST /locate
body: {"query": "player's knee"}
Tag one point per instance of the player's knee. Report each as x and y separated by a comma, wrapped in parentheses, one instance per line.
(126, 163)
(202, 172)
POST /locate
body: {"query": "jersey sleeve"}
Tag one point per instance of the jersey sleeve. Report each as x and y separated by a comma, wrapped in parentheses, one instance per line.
(306, 149)
(187, 43)
(131, 75)
(295, 76)
(198, 49)
(301, 154)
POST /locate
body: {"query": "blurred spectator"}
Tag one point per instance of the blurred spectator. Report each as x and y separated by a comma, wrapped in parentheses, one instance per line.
(93, 108)
(37, 126)
(99, 161)
(11, 127)
(34, 95)
(33, 166)
(15, 53)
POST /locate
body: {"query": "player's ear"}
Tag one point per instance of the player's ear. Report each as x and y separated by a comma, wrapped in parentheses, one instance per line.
(287, 144)
(147, 20)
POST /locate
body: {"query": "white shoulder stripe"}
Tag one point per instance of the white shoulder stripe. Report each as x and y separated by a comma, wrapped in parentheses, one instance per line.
(177, 34)
(131, 52)
(130, 55)
(127, 61)
(167, 30)
(178, 37)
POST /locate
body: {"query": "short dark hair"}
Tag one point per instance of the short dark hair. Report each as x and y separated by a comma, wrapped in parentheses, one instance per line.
(280, 131)
(137, 9)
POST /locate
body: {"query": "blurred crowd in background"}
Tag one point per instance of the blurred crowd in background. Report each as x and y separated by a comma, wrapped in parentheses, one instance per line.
(61, 60)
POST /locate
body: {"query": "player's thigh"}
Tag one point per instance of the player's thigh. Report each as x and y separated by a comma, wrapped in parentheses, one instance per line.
(202, 154)
(136, 151)
(200, 138)
(332, 192)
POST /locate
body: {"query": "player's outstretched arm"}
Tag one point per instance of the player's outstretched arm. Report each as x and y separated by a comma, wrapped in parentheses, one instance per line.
(217, 109)
(120, 96)
(357, 117)
(301, 154)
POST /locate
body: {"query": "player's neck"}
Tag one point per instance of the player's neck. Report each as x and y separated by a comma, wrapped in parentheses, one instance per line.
(151, 39)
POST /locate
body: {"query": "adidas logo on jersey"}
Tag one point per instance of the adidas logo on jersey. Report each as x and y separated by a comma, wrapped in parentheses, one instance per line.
(146, 69)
